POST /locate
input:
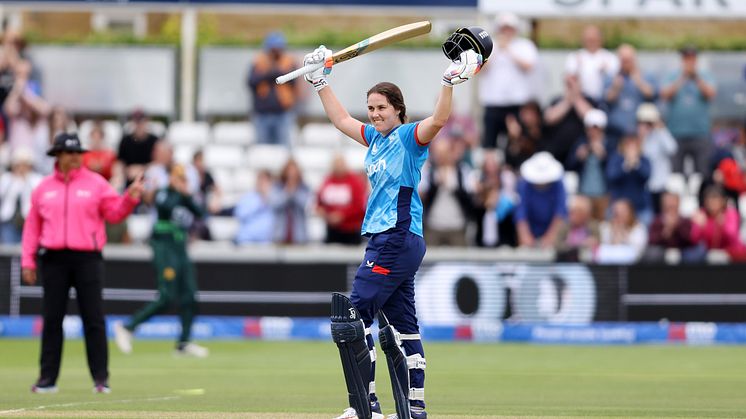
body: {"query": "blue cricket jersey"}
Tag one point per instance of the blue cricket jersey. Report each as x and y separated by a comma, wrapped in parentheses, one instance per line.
(393, 165)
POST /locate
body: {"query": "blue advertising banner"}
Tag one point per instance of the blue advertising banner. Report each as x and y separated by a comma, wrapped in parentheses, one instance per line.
(294, 328)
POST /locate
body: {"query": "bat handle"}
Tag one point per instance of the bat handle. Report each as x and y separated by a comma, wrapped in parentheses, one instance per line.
(306, 69)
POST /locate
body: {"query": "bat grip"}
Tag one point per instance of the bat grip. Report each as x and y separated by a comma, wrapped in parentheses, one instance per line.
(306, 69)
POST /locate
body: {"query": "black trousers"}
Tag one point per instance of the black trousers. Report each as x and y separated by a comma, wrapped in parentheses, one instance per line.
(59, 270)
(493, 122)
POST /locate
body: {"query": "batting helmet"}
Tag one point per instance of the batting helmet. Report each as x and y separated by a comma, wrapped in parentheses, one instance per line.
(465, 39)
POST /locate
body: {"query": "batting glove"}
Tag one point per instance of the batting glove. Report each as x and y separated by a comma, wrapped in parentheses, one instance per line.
(321, 55)
(468, 64)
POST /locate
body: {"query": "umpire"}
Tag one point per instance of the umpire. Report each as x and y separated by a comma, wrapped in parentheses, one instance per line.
(64, 233)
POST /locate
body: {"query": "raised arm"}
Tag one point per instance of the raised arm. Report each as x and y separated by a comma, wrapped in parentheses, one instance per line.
(337, 114)
(467, 65)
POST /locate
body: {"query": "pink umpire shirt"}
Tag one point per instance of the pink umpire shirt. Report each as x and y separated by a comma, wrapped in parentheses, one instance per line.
(71, 215)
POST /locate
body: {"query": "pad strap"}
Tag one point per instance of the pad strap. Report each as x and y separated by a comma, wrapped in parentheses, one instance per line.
(403, 336)
(417, 394)
(416, 361)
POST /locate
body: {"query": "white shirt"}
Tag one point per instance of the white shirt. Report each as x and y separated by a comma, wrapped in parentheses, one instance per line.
(502, 82)
(659, 146)
(13, 188)
(591, 69)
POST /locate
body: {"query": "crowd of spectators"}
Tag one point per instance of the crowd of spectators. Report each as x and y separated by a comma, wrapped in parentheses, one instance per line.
(588, 175)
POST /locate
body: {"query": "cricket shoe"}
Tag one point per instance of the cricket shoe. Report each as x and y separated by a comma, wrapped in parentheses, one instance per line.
(350, 413)
(101, 387)
(123, 338)
(44, 387)
(192, 349)
(415, 413)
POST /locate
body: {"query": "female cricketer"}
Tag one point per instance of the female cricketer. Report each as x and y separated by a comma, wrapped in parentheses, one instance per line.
(384, 282)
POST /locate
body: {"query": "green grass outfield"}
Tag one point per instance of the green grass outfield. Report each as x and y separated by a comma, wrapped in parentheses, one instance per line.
(255, 379)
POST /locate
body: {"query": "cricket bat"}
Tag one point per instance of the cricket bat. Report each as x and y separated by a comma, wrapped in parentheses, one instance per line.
(391, 36)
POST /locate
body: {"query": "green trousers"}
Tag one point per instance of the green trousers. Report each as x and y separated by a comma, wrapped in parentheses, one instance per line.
(176, 284)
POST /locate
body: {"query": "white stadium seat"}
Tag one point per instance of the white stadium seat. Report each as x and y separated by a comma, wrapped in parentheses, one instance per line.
(313, 158)
(243, 180)
(267, 156)
(238, 133)
(676, 183)
(321, 134)
(314, 179)
(222, 228)
(139, 227)
(316, 229)
(688, 205)
(355, 157)
(184, 154)
(570, 181)
(224, 156)
(195, 133)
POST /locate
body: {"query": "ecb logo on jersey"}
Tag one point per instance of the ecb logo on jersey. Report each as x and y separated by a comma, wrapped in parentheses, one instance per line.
(376, 167)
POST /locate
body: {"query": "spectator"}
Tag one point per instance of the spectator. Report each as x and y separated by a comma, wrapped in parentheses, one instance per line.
(208, 194)
(59, 122)
(592, 63)
(289, 199)
(15, 46)
(136, 147)
(658, 145)
(525, 134)
(15, 194)
(157, 175)
(273, 103)
(717, 225)
(731, 169)
(689, 93)
(100, 158)
(588, 158)
(447, 188)
(624, 92)
(627, 174)
(581, 233)
(564, 119)
(461, 130)
(623, 237)
(541, 210)
(495, 201)
(505, 82)
(670, 230)
(341, 201)
(255, 214)
(27, 116)
(7, 76)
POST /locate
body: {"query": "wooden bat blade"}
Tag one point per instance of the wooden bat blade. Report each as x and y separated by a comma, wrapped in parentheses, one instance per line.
(391, 36)
(365, 46)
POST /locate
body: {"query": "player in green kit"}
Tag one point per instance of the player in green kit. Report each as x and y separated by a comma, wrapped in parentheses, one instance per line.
(176, 279)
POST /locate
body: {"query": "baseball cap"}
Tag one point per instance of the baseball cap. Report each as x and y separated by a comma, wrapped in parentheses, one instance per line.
(595, 118)
(275, 40)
